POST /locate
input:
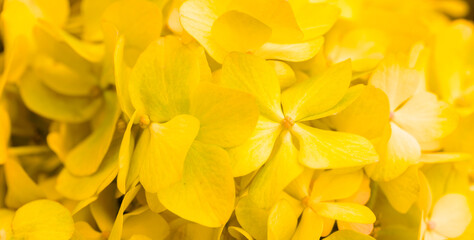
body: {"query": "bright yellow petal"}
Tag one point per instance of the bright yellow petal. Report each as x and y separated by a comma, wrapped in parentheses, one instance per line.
(84, 231)
(331, 185)
(310, 226)
(315, 96)
(281, 168)
(292, 52)
(125, 155)
(252, 218)
(6, 217)
(397, 81)
(80, 188)
(144, 223)
(154, 203)
(164, 161)
(5, 135)
(329, 149)
(253, 75)
(349, 212)
(426, 118)
(285, 73)
(86, 157)
(256, 150)
(348, 234)
(228, 117)
(443, 157)
(21, 188)
(357, 227)
(206, 192)
(122, 75)
(238, 233)
(402, 191)
(367, 116)
(162, 79)
(282, 221)
(117, 229)
(402, 151)
(237, 31)
(314, 18)
(43, 219)
(451, 215)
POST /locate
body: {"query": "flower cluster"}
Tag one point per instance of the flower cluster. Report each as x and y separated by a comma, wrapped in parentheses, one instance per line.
(236, 119)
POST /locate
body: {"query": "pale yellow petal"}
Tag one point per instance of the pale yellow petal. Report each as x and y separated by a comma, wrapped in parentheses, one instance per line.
(451, 215)
(402, 191)
(331, 185)
(292, 52)
(349, 212)
(21, 188)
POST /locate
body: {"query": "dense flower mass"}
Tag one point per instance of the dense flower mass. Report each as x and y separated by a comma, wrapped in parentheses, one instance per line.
(236, 119)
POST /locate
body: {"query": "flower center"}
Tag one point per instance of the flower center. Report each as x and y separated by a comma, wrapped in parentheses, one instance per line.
(144, 121)
(287, 122)
(430, 225)
(392, 115)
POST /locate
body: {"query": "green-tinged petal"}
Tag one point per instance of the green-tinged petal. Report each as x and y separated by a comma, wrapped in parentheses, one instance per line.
(227, 117)
(451, 215)
(397, 81)
(147, 224)
(402, 191)
(80, 188)
(292, 52)
(255, 151)
(162, 79)
(21, 188)
(206, 192)
(426, 118)
(282, 220)
(331, 185)
(252, 74)
(329, 149)
(252, 218)
(281, 168)
(42, 219)
(310, 226)
(163, 163)
(117, 229)
(348, 212)
(44, 101)
(317, 95)
(237, 31)
(367, 116)
(86, 158)
(146, 24)
(402, 151)
(125, 154)
(348, 234)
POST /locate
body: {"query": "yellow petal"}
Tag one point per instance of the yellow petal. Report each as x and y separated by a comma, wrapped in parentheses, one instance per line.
(252, 218)
(402, 191)
(146, 224)
(282, 220)
(6, 217)
(310, 226)
(146, 24)
(46, 102)
(238, 233)
(154, 203)
(367, 116)
(117, 229)
(402, 151)
(253, 75)
(92, 12)
(281, 168)
(21, 188)
(253, 153)
(122, 75)
(285, 73)
(125, 155)
(426, 118)
(80, 188)
(357, 227)
(314, 18)
(348, 234)
(84, 231)
(86, 158)
(315, 96)
(349, 212)
(331, 185)
(443, 157)
(206, 192)
(164, 161)
(227, 117)
(5, 135)
(292, 52)
(162, 79)
(43, 219)
(451, 215)
(237, 31)
(397, 81)
(328, 149)
(197, 18)
(104, 209)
